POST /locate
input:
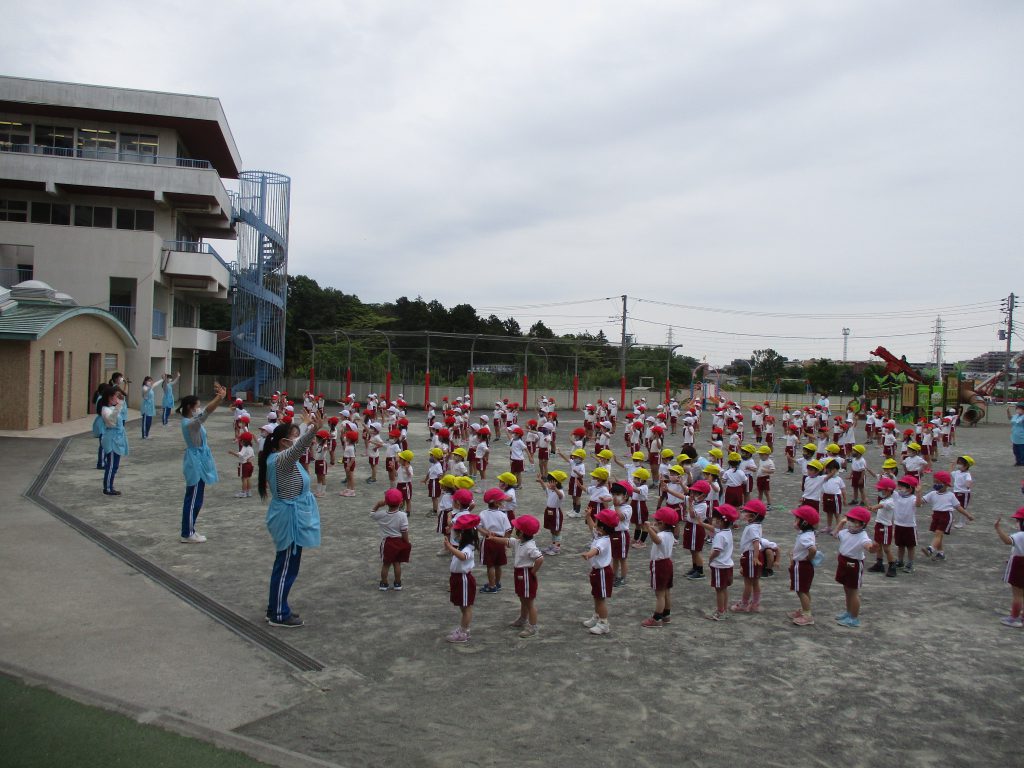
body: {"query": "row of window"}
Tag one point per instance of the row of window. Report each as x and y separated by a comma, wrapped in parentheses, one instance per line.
(98, 143)
(66, 214)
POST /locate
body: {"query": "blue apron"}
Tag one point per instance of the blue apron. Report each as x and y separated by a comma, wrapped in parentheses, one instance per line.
(114, 438)
(293, 521)
(197, 463)
(168, 395)
(148, 403)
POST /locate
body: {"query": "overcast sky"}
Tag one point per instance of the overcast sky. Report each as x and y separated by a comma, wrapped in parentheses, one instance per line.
(839, 159)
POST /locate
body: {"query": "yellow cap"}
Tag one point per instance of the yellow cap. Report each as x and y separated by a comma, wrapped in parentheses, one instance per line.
(406, 455)
(733, 456)
(579, 453)
(600, 473)
(968, 459)
(764, 450)
(914, 447)
(508, 478)
(748, 448)
(605, 454)
(639, 456)
(810, 447)
(435, 453)
(816, 464)
(642, 473)
(832, 448)
(667, 453)
(683, 457)
(711, 469)
(558, 476)
(859, 449)
(448, 481)
(677, 469)
(889, 464)
(464, 481)
(716, 452)
(461, 453)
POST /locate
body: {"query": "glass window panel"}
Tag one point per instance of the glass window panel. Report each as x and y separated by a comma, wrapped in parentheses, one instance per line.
(125, 218)
(83, 215)
(144, 220)
(60, 214)
(97, 143)
(55, 139)
(139, 147)
(103, 216)
(15, 136)
(40, 213)
(13, 210)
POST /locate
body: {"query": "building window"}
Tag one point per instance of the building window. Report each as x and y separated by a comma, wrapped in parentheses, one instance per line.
(51, 213)
(144, 220)
(185, 315)
(94, 216)
(129, 218)
(13, 210)
(55, 140)
(139, 147)
(97, 143)
(15, 137)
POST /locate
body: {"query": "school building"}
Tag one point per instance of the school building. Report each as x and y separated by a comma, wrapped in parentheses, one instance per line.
(110, 195)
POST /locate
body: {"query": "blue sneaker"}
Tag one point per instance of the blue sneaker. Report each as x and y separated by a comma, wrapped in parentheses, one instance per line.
(487, 589)
(851, 622)
(841, 616)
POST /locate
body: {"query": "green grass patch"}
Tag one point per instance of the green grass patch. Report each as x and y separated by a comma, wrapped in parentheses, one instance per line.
(40, 728)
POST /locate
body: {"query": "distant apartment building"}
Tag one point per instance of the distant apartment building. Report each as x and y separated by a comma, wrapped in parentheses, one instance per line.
(110, 194)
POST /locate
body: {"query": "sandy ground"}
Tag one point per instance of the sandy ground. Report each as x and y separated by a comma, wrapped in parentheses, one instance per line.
(930, 678)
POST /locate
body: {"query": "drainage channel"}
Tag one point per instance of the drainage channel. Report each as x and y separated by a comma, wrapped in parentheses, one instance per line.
(221, 613)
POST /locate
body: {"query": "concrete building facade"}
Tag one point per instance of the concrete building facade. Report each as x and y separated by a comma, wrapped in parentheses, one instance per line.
(111, 194)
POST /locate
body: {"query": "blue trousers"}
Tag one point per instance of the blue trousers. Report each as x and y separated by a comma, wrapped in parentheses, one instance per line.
(1018, 454)
(99, 456)
(111, 462)
(165, 416)
(147, 422)
(286, 568)
(190, 509)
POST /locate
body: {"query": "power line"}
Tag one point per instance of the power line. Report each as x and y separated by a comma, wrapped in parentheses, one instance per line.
(819, 315)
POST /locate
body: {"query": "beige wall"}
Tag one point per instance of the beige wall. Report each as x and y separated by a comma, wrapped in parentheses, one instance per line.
(14, 378)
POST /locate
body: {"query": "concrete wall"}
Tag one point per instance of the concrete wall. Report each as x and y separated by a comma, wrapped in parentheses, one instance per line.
(14, 383)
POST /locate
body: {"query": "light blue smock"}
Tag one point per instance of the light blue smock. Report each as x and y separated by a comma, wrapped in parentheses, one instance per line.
(197, 463)
(168, 394)
(148, 407)
(115, 439)
(292, 521)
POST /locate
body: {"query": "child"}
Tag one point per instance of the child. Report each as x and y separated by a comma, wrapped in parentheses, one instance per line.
(943, 503)
(403, 477)
(543, 450)
(710, 475)
(552, 482)
(321, 455)
(433, 479)
(749, 466)
(792, 438)
(853, 543)
(763, 476)
(963, 484)
(673, 490)
(373, 445)
(517, 455)
(577, 471)
(735, 481)
(245, 455)
(751, 559)
(833, 493)
(915, 463)
(481, 451)
(332, 429)
(460, 466)
(601, 577)
(444, 507)
(494, 522)
(801, 569)
(814, 485)
(507, 484)
(905, 522)
(884, 511)
(348, 461)
(394, 537)
(527, 560)
(640, 476)
(1014, 574)
(662, 534)
(461, 584)
(598, 494)
(858, 467)
(391, 456)
(697, 512)
(622, 492)
(722, 520)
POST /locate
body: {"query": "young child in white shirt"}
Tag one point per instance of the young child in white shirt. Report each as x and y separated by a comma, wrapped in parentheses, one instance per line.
(661, 531)
(853, 543)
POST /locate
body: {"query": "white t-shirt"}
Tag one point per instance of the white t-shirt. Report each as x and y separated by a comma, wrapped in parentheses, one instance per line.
(495, 521)
(886, 510)
(603, 558)
(390, 523)
(722, 542)
(625, 515)
(833, 485)
(905, 510)
(464, 566)
(813, 487)
(915, 463)
(663, 549)
(961, 481)
(246, 454)
(751, 533)
(517, 450)
(524, 553)
(852, 544)
(941, 502)
(1018, 544)
(802, 546)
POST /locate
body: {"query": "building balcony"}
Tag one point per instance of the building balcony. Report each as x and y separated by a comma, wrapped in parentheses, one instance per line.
(193, 338)
(195, 267)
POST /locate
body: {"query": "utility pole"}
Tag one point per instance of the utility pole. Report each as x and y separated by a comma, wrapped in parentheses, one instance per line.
(622, 358)
(937, 350)
(1008, 306)
(846, 340)
(668, 341)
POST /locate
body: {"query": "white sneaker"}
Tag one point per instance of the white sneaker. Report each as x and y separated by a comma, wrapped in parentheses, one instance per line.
(958, 524)
(195, 538)
(601, 627)
(240, 495)
(591, 622)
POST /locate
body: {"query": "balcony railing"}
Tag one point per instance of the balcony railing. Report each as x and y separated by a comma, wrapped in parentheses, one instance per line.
(11, 276)
(191, 246)
(159, 324)
(125, 314)
(107, 154)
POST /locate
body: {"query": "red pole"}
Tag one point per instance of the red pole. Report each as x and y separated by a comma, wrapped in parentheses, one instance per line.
(622, 389)
(387, 386)
(426, 391)
(575, 393)
(526, 387)
(472, 399)
(668, 391)
(348, 382)
(312, 380)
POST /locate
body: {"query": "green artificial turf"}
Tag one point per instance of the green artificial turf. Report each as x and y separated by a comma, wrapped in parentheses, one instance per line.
(40, 728)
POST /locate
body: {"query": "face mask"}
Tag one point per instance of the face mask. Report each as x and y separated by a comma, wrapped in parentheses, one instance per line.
(854, 527)
(939, 487)
(903, 493)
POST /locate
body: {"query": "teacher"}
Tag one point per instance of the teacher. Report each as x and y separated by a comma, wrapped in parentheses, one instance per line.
(293, 517)
(1017, 433)
(197, 464)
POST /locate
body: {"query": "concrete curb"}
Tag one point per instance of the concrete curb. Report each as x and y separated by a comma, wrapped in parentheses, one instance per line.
(257, 750)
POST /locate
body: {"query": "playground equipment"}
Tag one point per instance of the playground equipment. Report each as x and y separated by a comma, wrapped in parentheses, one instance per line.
(705, 390)
(896, 365)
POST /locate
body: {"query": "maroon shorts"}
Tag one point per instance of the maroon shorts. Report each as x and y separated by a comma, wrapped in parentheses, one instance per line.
(373, 460)
(769, 439)
(526, 583)
(749, 567)
(434, 489)
(801, 575)
(462, 588)
(245, 470)
(790, 451)
(883, 533)
(480, 464)
(620, 544)
(516, 466)
(640, 512)
(750, 483)
(552, 519)
(661, 574)
(963, 498)
(494, 553)
(832, 504)
(849, 572)
(543, 454)
(394, 549)
(888, 451)
(764, 483)
(857, 479)
(904, 536)
(349, 464)
(406, 489)
(734, 495)
(693, 537)
(942, 521)
(575, 487)
(1014, 574)
(813, 503)
(601, 581)
(320, 467)
(721, 577)
(444, 519)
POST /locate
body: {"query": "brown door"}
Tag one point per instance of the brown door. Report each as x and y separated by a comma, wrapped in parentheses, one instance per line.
(95, 372)
(58, 387)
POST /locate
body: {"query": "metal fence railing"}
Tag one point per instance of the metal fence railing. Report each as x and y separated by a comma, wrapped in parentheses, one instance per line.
(109, 155)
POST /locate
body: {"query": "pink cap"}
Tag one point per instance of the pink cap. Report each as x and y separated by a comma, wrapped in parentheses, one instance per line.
(393, 497)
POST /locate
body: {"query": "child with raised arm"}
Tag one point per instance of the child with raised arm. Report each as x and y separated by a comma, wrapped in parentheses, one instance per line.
(1014, 574)
(394, 537)
(527, 560)
(662, 535)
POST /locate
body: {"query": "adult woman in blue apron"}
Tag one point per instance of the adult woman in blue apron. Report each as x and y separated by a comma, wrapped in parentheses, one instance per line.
(293, 517)
(167, 384)
(114, 439)
(197, 464)
(148, 407)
